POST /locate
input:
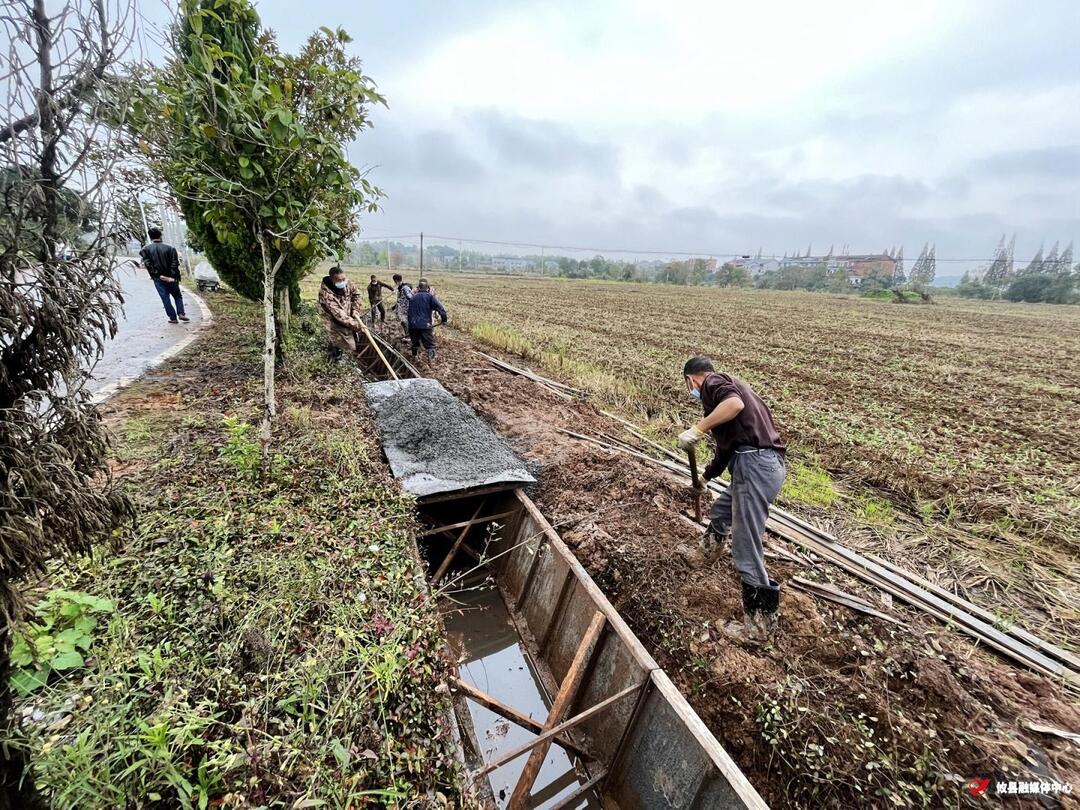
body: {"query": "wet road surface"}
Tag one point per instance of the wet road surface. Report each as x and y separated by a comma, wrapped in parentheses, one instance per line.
(144, 330)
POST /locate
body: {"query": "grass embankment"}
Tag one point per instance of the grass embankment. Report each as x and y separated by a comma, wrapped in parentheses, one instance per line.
(252, 643)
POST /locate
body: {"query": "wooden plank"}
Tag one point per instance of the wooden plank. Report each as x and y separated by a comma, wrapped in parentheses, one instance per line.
(457, 544)
(551, 733)
(723, 761)
(513, 715)
(462, 494)
(568, 690)
(618, 624)
(556, 612)
(463, 524)
(572, 799)
(841, 598)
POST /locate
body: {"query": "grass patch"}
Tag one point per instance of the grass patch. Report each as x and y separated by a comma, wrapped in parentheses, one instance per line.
(876, 511)
(271, 644)
(505, 338)
(809, 485)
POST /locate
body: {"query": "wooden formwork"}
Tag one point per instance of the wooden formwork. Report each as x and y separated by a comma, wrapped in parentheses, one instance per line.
(644, 745)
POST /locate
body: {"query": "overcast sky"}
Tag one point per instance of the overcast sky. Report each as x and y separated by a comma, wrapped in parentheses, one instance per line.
(720, 127)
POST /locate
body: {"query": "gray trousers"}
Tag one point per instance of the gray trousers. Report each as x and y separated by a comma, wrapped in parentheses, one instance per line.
(743, 508)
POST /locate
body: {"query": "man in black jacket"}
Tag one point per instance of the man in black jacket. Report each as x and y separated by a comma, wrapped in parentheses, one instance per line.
(163, 265)
(748, 444)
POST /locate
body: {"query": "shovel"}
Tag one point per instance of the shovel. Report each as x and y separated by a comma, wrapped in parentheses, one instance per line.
(691, 454)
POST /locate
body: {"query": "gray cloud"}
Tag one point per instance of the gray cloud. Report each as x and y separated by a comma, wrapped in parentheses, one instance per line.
(544, 145)
(1058, 162)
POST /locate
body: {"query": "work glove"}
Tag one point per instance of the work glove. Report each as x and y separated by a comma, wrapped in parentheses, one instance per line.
(689, 437)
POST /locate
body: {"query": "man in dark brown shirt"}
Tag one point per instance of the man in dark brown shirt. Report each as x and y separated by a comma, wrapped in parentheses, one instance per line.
(748, 444)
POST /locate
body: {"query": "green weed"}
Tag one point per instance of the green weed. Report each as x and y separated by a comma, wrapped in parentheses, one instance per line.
(809, 485)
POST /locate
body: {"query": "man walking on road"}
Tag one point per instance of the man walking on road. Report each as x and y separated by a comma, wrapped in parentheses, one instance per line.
(163, 265)
(748, 444)
(404, 293)
(421, 329)
(374, 297)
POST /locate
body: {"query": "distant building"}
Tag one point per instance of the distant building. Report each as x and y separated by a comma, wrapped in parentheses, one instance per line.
(510, 263)
(755, 264)
(858, 266)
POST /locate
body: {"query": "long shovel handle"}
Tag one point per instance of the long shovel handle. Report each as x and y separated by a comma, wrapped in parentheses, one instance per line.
(691, 455)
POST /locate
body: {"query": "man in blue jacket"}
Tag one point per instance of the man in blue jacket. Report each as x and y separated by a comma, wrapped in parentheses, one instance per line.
(421, 329)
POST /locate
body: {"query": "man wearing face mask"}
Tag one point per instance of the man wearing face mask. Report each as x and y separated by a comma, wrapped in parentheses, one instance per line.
(341, 311)
(748, 445)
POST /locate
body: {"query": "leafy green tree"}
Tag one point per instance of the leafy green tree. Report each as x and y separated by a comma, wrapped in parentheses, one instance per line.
(252, 143)
(1047, 288)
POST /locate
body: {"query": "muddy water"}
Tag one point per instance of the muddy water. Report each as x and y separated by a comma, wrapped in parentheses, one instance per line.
(494, 661)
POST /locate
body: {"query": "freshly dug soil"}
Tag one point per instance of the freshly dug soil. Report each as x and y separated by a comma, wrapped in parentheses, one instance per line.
(844, 710)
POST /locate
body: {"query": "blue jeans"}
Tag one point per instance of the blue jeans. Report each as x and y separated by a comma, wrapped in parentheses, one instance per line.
(169, 292)
(743, 508)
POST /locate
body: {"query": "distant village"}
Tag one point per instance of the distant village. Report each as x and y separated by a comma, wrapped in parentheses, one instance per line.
(834, 269)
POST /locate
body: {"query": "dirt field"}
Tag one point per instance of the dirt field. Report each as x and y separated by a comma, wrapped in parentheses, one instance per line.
(941, 437)
(847, 711)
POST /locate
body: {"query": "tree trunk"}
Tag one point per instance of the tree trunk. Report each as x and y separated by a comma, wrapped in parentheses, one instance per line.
(270, 270)
(282, 314)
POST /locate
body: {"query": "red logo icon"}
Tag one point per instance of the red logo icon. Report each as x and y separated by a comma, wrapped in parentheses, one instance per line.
(977, 787)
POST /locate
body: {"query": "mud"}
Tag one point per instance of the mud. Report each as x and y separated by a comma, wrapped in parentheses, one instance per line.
(435, 442)
(845, 710)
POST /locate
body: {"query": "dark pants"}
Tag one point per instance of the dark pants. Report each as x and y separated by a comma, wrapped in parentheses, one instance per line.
(378, 305)
(743, 508)
(424, 336)
(169, 292)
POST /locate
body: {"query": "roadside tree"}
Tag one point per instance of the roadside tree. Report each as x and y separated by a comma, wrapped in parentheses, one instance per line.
(252, 143)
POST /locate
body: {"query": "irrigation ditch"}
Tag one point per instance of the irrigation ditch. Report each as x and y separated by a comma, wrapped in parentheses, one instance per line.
(557, 702)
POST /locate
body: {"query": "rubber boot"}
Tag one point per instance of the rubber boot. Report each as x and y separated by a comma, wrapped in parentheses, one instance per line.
(715, 541)
(768, 611)
(760, 612)
(744, 632)
(431, 356)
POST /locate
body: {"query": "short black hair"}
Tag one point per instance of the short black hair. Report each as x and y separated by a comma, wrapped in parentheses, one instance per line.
(373, 275)
(423, 284)
(154, 233)
(336, 270)
(697, 365)
(397, 276)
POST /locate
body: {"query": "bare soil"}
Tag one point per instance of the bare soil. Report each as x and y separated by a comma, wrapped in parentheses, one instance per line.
(844, 710)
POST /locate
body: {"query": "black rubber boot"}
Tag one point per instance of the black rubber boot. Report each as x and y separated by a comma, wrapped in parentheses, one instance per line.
(760, 611)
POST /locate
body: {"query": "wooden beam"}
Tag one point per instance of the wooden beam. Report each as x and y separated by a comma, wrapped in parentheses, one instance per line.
(457, 544)
(568, 691)
(513, 715)
(464, 524)
(572, 799)
(462, 494)
(557, 730)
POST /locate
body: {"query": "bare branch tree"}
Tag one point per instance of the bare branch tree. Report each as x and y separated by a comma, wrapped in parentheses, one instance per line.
(58, 297)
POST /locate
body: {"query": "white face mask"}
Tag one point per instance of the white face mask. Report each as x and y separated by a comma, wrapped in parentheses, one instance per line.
(340, 284)
(695, 393)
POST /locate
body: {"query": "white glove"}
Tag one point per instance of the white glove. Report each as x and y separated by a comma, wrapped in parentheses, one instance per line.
(688, 438)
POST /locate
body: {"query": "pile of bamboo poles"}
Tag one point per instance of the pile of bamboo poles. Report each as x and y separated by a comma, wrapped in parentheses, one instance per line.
(1010, 640)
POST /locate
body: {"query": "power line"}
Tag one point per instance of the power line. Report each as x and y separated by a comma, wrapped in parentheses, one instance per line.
(692, 254)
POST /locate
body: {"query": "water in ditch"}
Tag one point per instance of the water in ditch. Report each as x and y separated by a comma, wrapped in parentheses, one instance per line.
(494, 660)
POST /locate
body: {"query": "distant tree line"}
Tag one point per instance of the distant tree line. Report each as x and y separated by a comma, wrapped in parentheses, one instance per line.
(1052, 278)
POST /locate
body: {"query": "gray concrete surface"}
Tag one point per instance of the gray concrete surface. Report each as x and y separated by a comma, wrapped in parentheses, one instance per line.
(144, 330)
(435, 442)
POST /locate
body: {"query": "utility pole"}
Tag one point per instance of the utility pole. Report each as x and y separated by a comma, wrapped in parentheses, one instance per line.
(421, 253)
(389, 269)
(543, 264)
(459, 255)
